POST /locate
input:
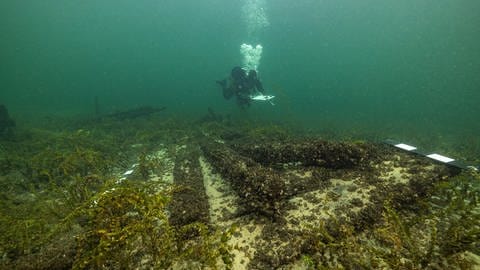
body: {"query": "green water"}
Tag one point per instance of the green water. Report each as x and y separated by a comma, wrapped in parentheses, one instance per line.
(404, 69)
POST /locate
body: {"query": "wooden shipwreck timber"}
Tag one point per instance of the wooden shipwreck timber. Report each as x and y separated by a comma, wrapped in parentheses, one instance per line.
(290, 195)
(215, 196)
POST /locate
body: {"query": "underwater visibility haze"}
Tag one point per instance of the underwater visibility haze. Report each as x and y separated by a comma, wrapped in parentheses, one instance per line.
(103, 100)
(372, 65)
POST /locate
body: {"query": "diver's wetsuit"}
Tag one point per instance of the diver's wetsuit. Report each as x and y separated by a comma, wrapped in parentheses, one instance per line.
(241, 85)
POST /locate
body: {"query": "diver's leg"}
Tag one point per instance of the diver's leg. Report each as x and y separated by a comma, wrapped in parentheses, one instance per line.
(242, 101)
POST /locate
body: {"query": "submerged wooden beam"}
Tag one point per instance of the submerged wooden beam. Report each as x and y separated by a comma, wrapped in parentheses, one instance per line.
(190, 203)
(334, 155)
(261, 188)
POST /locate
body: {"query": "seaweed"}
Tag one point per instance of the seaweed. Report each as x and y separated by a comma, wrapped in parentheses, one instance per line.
(123, 224)
(129, 226)
(457, 209)
(444, 236)
(62, 204)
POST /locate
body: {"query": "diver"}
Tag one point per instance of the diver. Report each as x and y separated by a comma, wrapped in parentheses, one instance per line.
(242, 85)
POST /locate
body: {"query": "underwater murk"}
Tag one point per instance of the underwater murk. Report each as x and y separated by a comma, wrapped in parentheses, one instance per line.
(235, 147)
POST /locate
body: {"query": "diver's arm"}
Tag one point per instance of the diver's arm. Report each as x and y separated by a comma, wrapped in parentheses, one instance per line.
(259, 86)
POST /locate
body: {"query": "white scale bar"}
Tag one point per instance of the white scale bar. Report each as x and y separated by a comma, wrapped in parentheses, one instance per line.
(405, 147)
(440, 158)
